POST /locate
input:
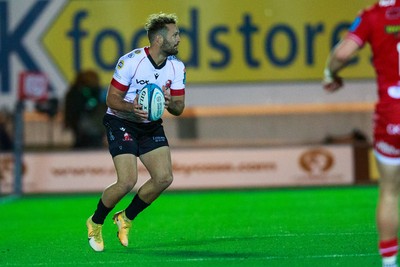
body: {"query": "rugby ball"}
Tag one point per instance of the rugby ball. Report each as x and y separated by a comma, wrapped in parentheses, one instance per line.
(151, 98)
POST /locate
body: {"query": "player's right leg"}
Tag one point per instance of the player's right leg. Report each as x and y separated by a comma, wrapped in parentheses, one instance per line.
(122, 146)
(95, 236)
(126, 167)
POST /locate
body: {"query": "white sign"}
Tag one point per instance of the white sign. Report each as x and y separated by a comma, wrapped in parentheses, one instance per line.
(193, 169)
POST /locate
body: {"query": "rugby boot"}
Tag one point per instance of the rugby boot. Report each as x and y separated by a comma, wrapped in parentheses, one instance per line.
(94, 235)
(124, 225)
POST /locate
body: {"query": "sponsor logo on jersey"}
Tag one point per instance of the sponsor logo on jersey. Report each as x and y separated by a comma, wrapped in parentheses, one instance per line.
(392, 29)
(387, 148)
(393, 129)
(142, 82)
(387, 2)
(392, 13)
(394, 92)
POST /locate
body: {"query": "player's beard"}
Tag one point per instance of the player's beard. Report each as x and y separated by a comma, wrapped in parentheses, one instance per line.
(168, 49)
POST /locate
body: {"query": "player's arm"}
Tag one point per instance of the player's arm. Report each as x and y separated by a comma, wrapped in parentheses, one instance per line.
(337, 60)
(175, 96)
(175, 102)
(115, 100)
(176, 105)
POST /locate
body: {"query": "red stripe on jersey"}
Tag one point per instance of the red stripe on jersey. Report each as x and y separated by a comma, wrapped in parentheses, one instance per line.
(178, 92)
(119, 86)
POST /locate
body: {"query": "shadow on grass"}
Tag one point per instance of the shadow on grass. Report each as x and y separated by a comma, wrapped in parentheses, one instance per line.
(211, 248)
(192, 254)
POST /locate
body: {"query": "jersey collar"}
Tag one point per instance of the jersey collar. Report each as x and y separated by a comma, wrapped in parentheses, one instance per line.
(146, 49)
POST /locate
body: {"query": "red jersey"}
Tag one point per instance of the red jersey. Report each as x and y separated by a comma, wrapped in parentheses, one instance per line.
(379, 26)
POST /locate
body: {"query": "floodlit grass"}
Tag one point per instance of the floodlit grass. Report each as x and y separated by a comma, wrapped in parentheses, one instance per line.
(266, 227)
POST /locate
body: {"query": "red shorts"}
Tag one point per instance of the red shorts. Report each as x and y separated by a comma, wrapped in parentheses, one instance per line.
(387, 130)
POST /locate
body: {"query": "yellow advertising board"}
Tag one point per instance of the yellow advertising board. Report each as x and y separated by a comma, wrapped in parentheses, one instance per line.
(221, 41)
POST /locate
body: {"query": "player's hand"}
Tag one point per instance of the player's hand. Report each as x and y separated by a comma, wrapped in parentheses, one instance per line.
(334, 85)
(138, 113)
(331, 83)
(167, 95)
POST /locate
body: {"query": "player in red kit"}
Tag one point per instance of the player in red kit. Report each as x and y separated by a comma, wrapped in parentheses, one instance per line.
(379, 25)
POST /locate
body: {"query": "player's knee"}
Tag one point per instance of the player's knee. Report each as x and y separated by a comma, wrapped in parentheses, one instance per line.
(126, 186)
(165, 182)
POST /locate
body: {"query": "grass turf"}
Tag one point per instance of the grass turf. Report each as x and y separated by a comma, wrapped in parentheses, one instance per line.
(269, 227)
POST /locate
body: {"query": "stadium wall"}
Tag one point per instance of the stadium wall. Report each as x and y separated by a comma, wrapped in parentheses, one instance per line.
(194, 168)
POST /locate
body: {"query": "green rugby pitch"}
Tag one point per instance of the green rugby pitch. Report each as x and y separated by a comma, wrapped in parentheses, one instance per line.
(324, 226)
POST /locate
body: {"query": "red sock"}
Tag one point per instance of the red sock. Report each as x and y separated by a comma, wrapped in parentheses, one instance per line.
(388, 248)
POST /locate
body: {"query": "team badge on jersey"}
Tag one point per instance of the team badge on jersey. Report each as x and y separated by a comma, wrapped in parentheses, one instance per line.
(120, 64)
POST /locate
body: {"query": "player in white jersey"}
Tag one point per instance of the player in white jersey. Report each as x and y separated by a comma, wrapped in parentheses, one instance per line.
(130, 135)
(137, 68)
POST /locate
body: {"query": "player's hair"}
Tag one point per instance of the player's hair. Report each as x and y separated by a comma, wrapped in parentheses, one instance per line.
(156, 24)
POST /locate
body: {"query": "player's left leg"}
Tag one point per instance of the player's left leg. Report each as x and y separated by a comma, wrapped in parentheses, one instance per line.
(158, 164)
(387, 212)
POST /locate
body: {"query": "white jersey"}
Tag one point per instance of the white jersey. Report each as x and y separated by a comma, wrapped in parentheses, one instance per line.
(136, 69)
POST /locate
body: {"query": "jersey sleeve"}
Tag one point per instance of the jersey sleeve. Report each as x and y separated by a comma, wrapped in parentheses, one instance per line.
(178, 85)
(359, 30)
(123, 73)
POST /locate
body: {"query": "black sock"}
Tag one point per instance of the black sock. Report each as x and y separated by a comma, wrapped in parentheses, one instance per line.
(137, 206)
(101, 213)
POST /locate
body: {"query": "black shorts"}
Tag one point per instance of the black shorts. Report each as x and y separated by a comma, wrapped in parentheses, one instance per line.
(126, 137)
